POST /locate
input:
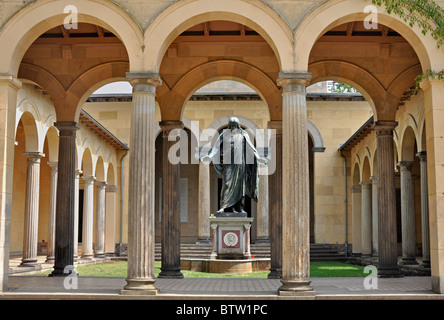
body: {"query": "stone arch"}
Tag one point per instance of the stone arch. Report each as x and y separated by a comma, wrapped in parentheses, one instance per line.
(100, 172)
(208, 72)
(318, 142)
(366, 170)
(32, 137)
(349, 73)
(93, 79)
(52, 137)
(356, 173)
(86, 163)
(330, 14)
(407, 144)
(111, 175)
(37, 17)
(182, 15)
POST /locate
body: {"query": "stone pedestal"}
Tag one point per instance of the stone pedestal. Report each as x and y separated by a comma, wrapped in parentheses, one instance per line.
(231, 237)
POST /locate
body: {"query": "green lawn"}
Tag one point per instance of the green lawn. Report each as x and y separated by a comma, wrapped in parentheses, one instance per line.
(317, 269)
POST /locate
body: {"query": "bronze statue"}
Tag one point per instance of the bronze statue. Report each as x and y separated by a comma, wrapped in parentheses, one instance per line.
(236, 159)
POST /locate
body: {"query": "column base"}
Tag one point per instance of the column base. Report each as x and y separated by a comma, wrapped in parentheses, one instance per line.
(87, 257)
(203, 241)
(61, 272)
(50, 260)
(170, 273)
(139, 287)
(30, 264)
(425, 264)
(389, 273)
(100, 255)
(408, 262)
(275, 274)
(296, 288)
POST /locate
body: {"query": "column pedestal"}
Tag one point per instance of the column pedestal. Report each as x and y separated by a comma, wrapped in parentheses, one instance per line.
(30, 235)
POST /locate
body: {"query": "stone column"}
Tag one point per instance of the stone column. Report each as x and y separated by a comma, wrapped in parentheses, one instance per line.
(64, 246)
(8, 104)
(295, 186)
(356, 220)
(100, 219)
(366, 219)
(52, 211)
(170, 204)
(76, 214)
(374, 215)
(110, 220)
(32, 195)
(424, 211)
(88, 216)
(407, 214)
(247, 227)
(262, 206)
(388, 247)
(275, 201)
(141, 186)
(214, 241)
(204, 203)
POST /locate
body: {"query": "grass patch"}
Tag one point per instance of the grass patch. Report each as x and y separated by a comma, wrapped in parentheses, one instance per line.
(317, 269)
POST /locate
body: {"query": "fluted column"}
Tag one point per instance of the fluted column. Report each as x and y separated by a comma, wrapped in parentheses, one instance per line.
(100, 218)
(170, 204)
(262, 206)
(388, 247)
(52, 211)
(76, 213)
(356, 220)
(366, 219)
(32, 195)
(407, 214)
(374, 215)
(275, 201)
(64, 246)
(88, 217)
(425, 229)
(203, 222)
(295, 187)
(140, 279)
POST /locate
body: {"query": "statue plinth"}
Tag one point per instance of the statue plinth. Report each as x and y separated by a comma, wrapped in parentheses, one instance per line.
(230, 236)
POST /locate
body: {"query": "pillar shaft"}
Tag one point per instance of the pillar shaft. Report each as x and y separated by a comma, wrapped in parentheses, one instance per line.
(366, 219)
(64, 245)
(88, 216)
(295, 188)
(374, 215)
(262, 206)
(110, 220)
(388, 247)
(32, 195)
(52, 211)
(407, 214)
(100, 216)
(170, 204)
(204, 203)
(275, 201)
(357, 220)
(424, 211)
(76, 213)
(141, 186)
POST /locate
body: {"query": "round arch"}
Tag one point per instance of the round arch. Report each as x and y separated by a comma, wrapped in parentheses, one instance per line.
(33, 140)
(407, 144)
(52, 136)
(366, 170)
(111, 175)
(212, 71)
(39, 16)
(86, 163)
(332, 13)
(100, 172)
(184, 14)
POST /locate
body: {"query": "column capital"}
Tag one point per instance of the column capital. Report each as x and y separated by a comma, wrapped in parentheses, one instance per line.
(10, 80)
(100, 184)
(384, 127)
(374, 179)
(144, 82)
(365, 184)
(88, 179)
(294, 82)
(67, 128)
(34, 154)
(168, 126)
(405, 165)
(422, 155)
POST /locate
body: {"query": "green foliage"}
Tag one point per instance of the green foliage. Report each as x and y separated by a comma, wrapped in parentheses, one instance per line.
(340, 87)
